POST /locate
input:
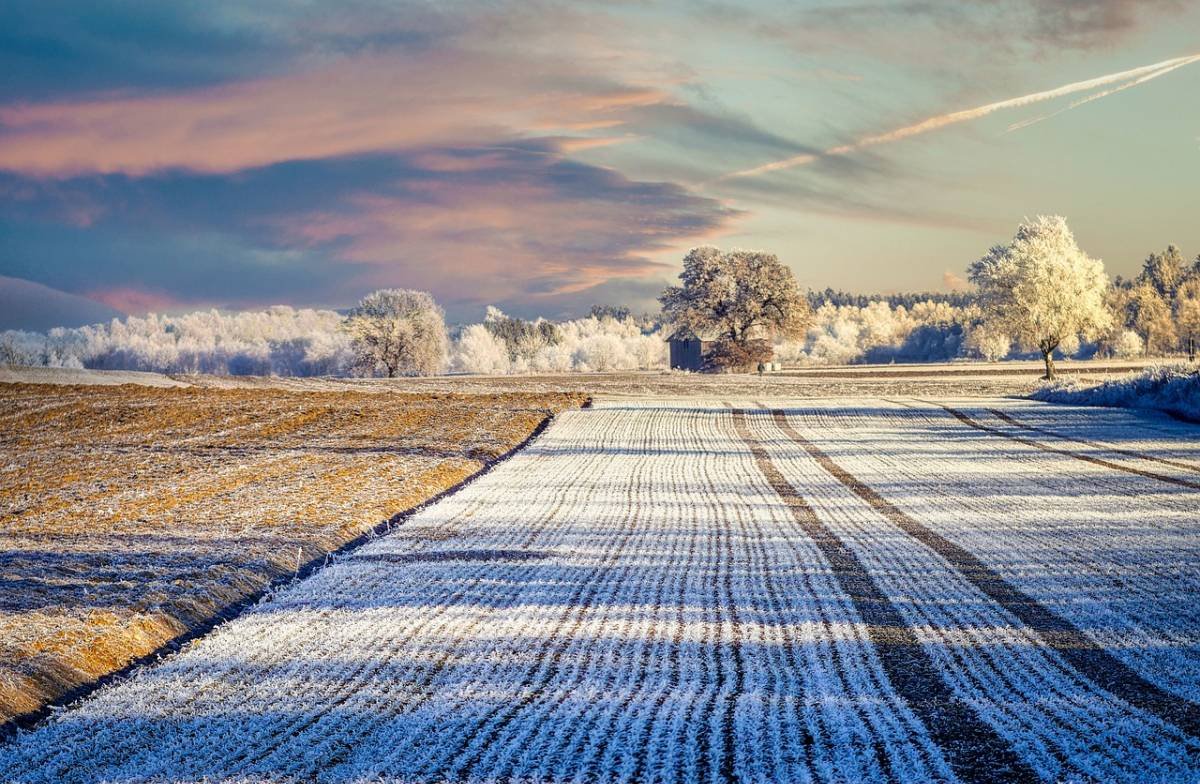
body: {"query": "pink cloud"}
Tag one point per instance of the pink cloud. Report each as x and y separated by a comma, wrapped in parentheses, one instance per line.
(511, 233)
(367, 104)
(500, 242)
(134, 301)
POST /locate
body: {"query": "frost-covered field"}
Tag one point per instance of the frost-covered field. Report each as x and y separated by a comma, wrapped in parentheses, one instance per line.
(130, 515)
(837, 590)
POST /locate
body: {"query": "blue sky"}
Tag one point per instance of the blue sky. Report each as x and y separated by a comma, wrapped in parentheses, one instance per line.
(545, 156)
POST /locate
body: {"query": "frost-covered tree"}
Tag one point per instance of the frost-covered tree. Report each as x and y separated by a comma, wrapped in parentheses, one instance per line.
(988, 343)
(279, 340)
(614, 312)
(922, 331)
(11, 354)
(1187, 311)
(1128, 344)
(478, 350)
(739, 296)
(1152, 318)
(1164, 271)
(398, 332)
(582, 345)
(522, 338)
(1041, 288)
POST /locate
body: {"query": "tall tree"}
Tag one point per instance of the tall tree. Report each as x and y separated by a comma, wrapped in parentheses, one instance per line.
(1041, 288)
(398, 332)
(738, 296)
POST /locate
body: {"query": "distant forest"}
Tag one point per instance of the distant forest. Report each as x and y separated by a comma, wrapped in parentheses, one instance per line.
(957, 299)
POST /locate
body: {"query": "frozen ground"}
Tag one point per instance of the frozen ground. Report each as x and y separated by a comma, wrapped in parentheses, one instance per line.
(65, 376)
(843, 590)
(934, 379)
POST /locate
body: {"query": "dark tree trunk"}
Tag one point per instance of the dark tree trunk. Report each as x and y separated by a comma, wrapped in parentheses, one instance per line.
(1048, 358)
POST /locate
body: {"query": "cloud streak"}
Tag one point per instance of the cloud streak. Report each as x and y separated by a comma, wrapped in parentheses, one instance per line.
(1132, 77)
(361, 105)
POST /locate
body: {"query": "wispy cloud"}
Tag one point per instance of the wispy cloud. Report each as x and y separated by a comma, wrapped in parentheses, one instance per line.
(1130, 77)
(361, 105)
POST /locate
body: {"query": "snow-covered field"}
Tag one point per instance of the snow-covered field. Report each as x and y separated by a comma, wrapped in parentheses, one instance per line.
(836, 590)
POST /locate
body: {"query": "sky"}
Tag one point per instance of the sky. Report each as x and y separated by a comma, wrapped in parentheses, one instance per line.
(545, 157)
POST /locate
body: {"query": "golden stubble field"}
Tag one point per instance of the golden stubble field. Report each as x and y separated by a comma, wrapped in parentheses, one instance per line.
(131, 515)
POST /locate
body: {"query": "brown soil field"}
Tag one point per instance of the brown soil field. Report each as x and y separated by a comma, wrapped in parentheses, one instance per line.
(133, 516)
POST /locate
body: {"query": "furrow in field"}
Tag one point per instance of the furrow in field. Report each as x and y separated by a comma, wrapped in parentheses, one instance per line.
(1138, 455)
(484, 592)
(670, 591)
(971, 746)
(549, 666)
(586, 729)
(1115, 552)
(987, 643)
(1161, 477)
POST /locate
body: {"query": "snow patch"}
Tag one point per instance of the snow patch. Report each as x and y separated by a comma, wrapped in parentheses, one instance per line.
(1171, 388)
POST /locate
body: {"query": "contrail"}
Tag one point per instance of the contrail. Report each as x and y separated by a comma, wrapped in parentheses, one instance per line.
(1133, 76)
(1088, 99)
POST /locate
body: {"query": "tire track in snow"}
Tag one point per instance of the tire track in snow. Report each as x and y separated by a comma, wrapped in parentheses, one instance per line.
(1084, 654)
(974, 750)
(882, 754)
(1005, 417)
(727, 768)
(969, 422)
(1114, 553)
(1062, 723)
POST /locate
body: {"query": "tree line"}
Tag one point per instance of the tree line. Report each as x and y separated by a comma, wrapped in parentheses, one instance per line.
(1038, 293)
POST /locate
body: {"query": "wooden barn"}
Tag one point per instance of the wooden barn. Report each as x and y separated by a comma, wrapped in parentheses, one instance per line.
(687, 350)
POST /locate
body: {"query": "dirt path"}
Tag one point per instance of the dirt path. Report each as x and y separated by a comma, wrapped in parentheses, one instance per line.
(832, 590)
